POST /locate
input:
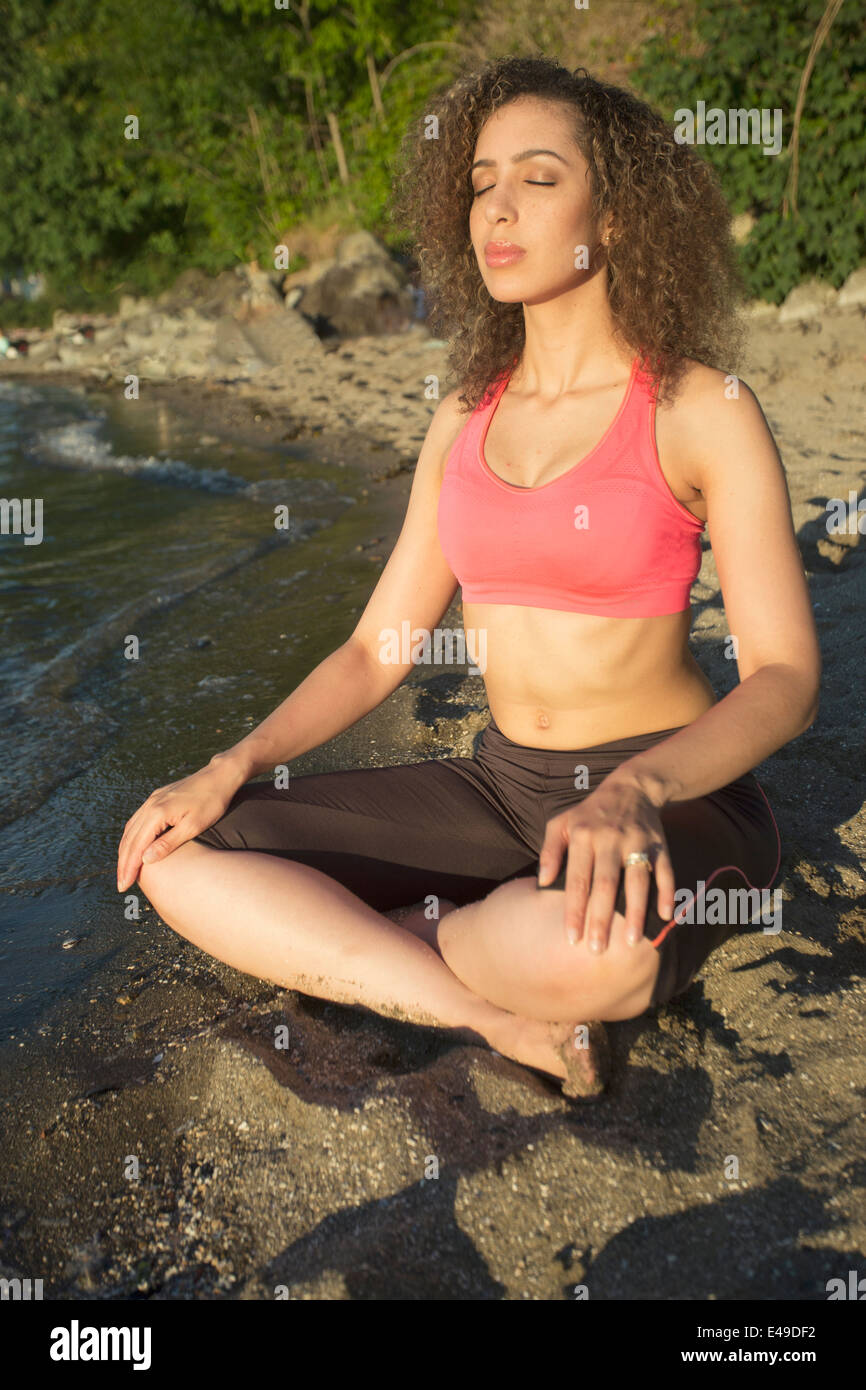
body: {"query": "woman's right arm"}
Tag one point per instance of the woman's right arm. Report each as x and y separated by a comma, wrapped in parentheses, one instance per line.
(416, 586)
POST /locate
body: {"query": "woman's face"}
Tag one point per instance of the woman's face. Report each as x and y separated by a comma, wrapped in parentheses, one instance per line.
(538, 202)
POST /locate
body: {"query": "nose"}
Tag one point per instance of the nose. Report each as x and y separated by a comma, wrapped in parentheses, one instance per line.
(501, 221)
(498, 207)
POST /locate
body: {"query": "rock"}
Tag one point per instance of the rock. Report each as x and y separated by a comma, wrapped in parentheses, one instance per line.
(361, 246)
(106, 339)
(128, 306)
(760, 309)
(741, 226)
(192, 364)
(45, 351)
(362, 291)
(230, 343)
(283, 338)
(169, 326)
(807, 301)
(853, 292)
(68, 356)
(261, 296)
(140, 328)
(63, 322)
(152, 367)
(189, 290)
(242, 291)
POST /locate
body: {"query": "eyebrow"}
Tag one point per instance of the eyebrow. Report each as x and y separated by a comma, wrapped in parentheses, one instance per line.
(517, 158)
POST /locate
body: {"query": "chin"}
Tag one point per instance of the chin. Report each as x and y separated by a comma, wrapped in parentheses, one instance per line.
(508, 292)
(502, 298)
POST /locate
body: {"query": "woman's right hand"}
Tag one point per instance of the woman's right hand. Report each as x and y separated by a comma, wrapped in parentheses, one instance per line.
(172, 815)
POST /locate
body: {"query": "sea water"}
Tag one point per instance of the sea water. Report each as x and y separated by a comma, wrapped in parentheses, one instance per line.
(162, 614)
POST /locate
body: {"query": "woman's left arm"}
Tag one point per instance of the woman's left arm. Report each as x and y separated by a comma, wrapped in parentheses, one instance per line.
(729, 455)
(734, 462)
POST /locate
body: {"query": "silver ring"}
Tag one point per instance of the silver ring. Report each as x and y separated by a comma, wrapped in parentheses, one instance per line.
(638, 857)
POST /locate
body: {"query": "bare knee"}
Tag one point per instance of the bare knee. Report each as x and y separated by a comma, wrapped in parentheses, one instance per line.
(525, 943)
(620, 979)
(159, 874)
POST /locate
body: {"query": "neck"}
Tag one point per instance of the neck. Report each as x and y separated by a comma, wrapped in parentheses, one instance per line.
(571, 342)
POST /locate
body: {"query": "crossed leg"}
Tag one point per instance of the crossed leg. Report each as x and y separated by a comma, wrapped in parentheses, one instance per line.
(292, 924)
(512, 948)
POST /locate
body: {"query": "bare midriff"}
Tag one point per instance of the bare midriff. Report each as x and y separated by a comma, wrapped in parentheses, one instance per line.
(557, 679)
(560, 679)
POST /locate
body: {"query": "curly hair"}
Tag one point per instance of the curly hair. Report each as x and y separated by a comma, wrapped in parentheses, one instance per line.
(674, 286)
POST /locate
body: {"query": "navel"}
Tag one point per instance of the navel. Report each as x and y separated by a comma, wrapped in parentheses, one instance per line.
(542, 719)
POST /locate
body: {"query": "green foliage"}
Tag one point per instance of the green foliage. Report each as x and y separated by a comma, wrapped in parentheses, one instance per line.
(753, 56)
(238, 102)
(234, 144)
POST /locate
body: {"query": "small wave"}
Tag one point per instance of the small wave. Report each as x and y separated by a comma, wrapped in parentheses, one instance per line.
(41, 702)
(78, 445)
(77, 727)
(20, 393)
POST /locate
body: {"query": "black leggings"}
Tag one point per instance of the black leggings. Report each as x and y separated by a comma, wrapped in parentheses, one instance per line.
(458, 827)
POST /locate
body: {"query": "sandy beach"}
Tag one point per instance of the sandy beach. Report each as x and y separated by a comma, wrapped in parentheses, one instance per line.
(371, 1159)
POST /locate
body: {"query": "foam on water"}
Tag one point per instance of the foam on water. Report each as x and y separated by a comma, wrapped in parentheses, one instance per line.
(77, 444)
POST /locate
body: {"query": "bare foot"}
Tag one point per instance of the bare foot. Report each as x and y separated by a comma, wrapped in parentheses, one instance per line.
(577, 1054)
(585, 1050)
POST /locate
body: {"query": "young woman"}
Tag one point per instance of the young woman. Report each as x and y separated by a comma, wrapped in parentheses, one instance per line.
(580, 261)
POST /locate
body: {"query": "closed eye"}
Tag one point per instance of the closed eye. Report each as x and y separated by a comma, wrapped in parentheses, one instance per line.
(536, 182)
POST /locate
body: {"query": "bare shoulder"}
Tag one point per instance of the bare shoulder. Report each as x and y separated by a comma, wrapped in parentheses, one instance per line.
(714, 420)
(447, 421)
(703, 389)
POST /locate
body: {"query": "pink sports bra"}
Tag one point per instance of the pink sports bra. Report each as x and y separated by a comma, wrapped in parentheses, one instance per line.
(607, 537)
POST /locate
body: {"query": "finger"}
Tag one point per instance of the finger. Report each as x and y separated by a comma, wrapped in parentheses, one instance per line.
(602, 898)
(127, 839)
(637, 886)
(161, 848)
(152, 825)
(121, 854)
(665, 884)
(146, 822)
(550, 854)
(578, 880)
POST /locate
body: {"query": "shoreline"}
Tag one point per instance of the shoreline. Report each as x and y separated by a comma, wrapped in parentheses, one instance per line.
(249, 417)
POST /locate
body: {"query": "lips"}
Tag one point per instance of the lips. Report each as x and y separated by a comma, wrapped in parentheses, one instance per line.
(502, 252)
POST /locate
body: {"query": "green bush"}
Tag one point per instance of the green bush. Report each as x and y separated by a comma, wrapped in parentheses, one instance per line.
(753, 56)
(237, 102)
(234, 147)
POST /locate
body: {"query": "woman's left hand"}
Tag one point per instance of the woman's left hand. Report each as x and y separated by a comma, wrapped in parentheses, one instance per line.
(599, 833)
